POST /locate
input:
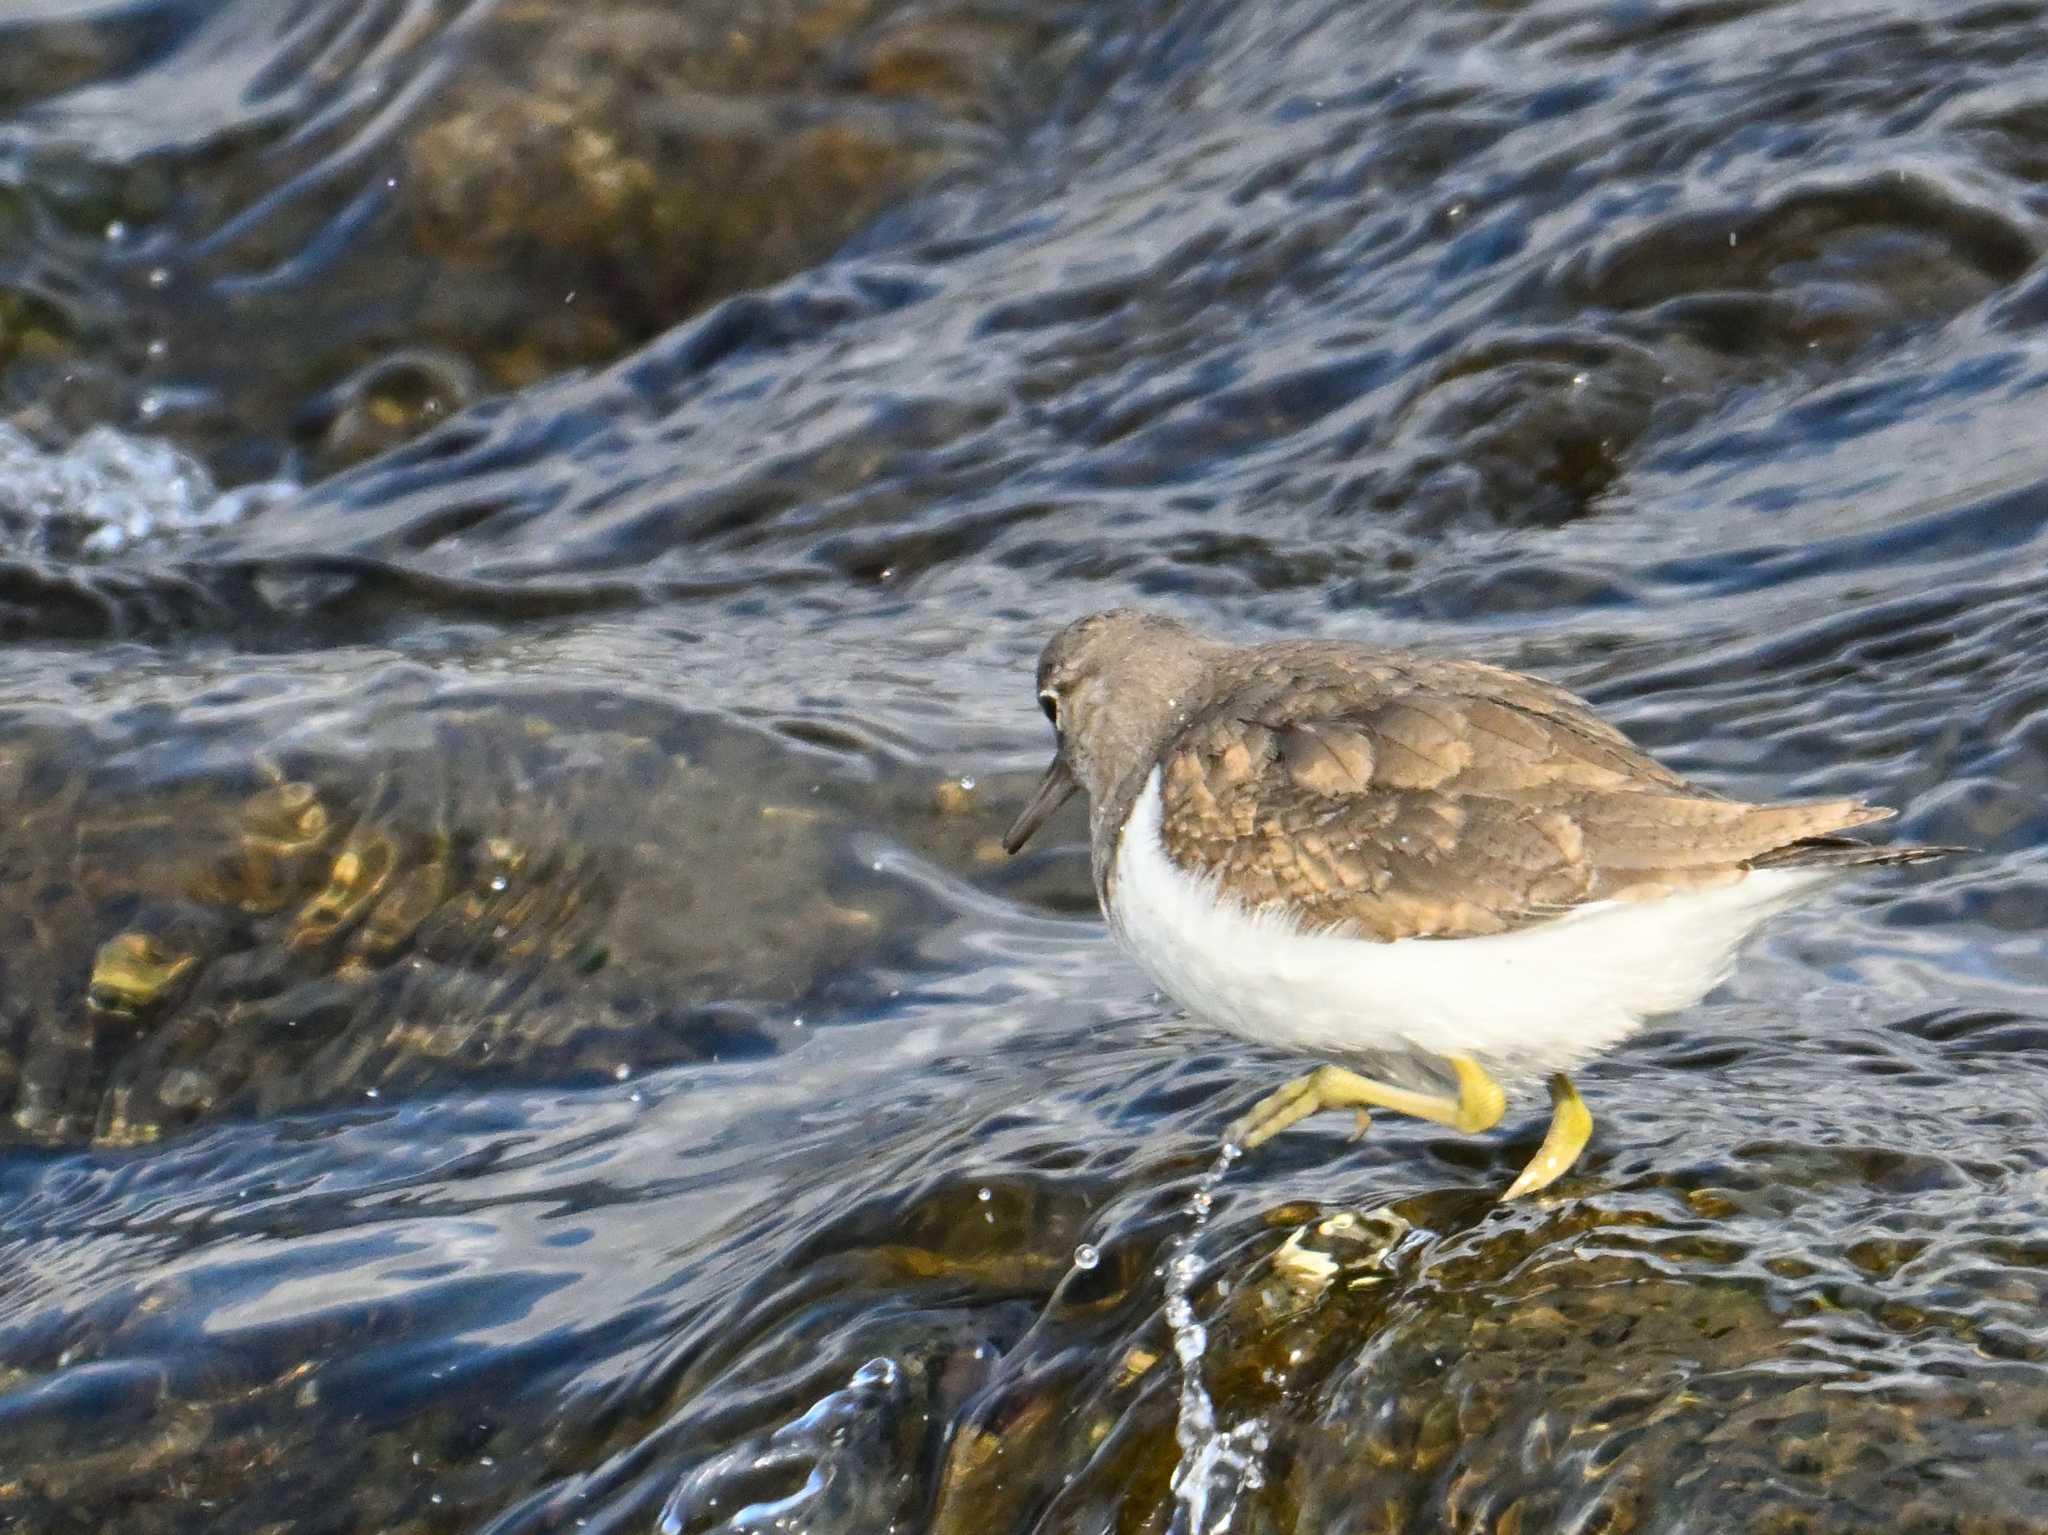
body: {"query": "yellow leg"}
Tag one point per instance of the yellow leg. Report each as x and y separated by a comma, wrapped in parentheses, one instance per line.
(1571, 1126)
(1478, 1105)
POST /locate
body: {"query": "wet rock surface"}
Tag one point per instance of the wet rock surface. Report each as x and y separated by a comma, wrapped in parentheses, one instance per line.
(512, 1013)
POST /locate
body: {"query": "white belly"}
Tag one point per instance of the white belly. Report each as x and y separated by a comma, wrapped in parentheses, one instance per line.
(1539, 999)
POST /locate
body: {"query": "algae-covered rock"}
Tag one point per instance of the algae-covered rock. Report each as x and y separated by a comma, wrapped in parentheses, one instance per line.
(515, 895)
(320, 280)
(1611, 1365)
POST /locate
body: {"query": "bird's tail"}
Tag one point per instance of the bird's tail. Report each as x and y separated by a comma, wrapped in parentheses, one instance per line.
(1846, 853)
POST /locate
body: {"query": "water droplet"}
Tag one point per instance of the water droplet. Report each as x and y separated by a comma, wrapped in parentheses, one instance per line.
(621, 1071)
(1216, 1465)
(158, 347)
(796, 1023)
(876, 1372)
(369, 1092)
(116, 232)
(1086, 1257)
(498, 882)
(984, 1194)
(967, 783)
(159, 277)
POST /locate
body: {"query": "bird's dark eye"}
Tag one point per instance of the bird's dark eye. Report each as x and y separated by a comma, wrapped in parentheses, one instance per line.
(1050, 703)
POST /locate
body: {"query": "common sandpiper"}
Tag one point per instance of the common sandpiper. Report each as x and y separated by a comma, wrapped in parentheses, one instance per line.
(1434, 875)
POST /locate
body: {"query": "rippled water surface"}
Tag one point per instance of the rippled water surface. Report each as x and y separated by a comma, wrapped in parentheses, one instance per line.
(523, 533)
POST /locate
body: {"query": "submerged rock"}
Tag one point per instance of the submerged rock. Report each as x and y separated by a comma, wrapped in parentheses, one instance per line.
(503, 895)
(1611, 1365)
(328, 278)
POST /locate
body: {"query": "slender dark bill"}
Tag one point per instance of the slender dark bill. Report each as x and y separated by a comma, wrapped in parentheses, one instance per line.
(1053, 791)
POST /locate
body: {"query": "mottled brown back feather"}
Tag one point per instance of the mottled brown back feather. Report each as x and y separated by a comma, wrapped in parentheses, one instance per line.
(1400, 797)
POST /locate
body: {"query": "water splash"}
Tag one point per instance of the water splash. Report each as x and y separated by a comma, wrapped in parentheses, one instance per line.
(1217, 1466)
(828, 1452)
(109, 491)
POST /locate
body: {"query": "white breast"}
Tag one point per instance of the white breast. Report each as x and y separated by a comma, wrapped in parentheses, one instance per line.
(1539, 999)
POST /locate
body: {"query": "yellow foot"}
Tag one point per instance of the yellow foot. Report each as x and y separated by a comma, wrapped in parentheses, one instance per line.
(1477, 1106)
(1571, 1126)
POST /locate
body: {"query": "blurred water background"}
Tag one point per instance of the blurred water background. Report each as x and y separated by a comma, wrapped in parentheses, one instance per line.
(524, 528)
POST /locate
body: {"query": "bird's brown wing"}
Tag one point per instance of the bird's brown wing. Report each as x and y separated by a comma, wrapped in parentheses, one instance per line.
(1448, 799)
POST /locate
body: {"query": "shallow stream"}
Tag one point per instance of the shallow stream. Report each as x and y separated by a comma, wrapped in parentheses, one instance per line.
(524, 530)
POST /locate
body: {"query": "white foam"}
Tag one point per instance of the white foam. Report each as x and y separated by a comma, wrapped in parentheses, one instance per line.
(109, 491)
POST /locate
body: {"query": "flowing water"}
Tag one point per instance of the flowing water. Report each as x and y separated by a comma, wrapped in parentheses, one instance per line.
(524, 530)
